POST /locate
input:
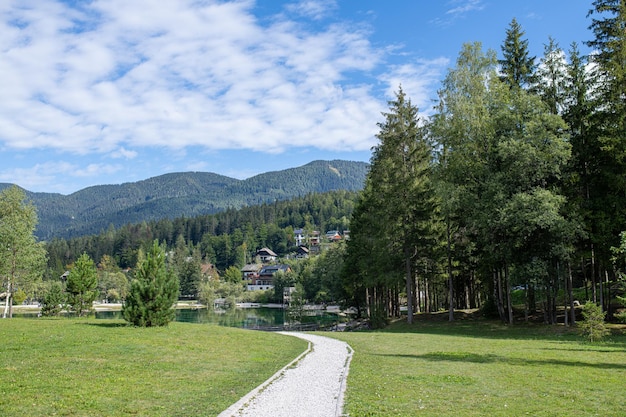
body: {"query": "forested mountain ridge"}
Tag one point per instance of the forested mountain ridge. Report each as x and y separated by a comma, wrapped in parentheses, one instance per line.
(187, 194)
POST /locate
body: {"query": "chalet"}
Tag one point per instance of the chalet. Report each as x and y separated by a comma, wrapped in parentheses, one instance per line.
(250, 272)
(333, 235)
(265, 278)
(266, 255)
(302, 252)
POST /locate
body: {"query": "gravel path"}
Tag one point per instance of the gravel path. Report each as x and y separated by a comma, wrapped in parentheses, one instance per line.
(311, 386)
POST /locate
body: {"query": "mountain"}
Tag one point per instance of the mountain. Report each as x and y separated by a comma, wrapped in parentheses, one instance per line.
(188, 194)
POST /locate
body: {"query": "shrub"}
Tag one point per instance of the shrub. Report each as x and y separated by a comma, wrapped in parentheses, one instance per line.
(592, 326)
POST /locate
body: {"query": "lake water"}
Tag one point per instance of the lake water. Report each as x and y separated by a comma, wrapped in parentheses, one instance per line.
(247, 318)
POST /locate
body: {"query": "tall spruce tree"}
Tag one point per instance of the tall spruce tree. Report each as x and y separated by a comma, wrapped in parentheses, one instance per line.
(551, 77)
(517, 66)
(153, 291)
(608, 25)
(400, 180)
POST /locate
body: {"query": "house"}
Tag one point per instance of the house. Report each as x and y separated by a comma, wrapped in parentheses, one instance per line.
(266, 255)
(250, 272)
(265, 278)
(314, 240)
(302, 252)
(333, 235)
(299, 236)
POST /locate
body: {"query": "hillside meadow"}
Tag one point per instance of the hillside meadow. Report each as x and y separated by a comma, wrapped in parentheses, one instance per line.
(72, 367)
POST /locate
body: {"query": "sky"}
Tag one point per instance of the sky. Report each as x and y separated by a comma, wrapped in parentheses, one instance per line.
(112, 91)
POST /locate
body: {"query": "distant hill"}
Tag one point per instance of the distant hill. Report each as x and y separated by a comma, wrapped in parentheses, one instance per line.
(94, 209)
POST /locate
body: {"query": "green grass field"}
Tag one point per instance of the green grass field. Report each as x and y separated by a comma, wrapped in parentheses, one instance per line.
(68, 367)
(92, 367)
(477, 368)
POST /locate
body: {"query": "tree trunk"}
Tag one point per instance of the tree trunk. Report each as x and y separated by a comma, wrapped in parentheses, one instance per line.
(409, 288)
(8, 303)
(450, 277)
(570, 290)
(593, 275)
(498, 294)
(508, 293)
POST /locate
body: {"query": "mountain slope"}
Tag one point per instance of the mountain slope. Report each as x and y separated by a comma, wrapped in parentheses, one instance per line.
(94, 209)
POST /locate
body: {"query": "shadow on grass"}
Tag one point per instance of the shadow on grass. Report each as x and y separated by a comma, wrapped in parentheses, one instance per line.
(490, 358)
(105, 324)
(494, 329)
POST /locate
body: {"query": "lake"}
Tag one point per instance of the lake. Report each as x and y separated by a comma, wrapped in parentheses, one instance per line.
(246, 318)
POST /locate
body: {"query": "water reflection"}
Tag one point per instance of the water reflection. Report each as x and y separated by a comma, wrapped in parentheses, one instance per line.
(247, 318)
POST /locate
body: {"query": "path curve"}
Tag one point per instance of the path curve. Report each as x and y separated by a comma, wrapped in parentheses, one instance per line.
(312, 385)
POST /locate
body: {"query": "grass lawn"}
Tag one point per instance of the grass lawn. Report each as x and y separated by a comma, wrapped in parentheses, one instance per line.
(69, 367)
(479, 368)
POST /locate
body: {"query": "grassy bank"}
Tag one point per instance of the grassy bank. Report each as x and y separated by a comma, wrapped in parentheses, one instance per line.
(104, 368)
(477, 368)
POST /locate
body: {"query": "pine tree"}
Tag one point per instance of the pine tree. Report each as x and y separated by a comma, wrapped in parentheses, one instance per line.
(400, 181)
(82, 284)
(517, 66)
(153, 292)
(609, 208)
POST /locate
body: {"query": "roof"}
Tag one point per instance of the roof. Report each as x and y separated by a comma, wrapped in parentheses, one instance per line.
(272, 269)
(251, 268)
(269, 252)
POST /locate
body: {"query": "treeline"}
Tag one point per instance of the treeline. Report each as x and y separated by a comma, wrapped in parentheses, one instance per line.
(518, 180)
(224, 239)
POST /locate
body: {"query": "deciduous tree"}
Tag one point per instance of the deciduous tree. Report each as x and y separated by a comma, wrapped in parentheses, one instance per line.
(22, 258)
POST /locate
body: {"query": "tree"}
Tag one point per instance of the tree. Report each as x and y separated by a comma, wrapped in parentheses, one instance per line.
(22, 258)
(82, 284)
(399, 190)
(501, 155)
(53, 300)
(551, 77)
(608, 201)
(153, 292)
(592, 326)
(232, 275)
(517, 66)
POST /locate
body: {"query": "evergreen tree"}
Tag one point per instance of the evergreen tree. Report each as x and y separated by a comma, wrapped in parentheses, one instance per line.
(82, 284)
(153, 291)
(400, 183)
(551, 77)
(517, 66)
(609, 204)
(53, 300)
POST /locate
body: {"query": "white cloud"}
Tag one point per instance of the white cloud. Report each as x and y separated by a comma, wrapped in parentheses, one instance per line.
(464, 6)
(45, 175)
(315, 9)
(417, 80)
(124, 153)
(113, 76)
(458, 10)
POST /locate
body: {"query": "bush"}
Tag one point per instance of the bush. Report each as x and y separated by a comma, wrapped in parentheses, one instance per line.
(592, 326)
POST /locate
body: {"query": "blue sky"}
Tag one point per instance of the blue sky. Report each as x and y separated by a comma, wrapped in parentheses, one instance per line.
(113, 91)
